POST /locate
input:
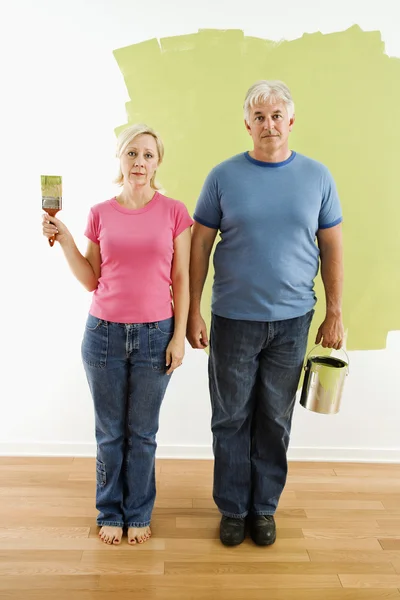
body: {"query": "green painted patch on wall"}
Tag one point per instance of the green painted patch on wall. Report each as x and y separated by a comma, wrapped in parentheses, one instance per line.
(191, 89)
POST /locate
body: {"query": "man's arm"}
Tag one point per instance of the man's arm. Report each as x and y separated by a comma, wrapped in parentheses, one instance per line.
(331, 331)
(202, 242)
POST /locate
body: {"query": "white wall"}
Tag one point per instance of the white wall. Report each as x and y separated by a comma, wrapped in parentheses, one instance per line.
(62, 95)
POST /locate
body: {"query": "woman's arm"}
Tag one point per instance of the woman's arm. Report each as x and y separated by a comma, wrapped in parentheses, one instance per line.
(85, 268)
(180, 295)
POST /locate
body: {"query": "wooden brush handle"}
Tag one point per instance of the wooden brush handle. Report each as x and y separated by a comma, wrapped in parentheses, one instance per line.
(52, 212)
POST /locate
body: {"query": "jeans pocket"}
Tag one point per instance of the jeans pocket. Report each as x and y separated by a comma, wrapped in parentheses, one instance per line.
(93, 323)
(100, 473)
(307, 319)
(95, 342)
(166, 326)
(158, 346)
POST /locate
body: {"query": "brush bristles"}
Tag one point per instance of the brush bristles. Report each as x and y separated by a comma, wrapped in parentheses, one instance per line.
(51, 191)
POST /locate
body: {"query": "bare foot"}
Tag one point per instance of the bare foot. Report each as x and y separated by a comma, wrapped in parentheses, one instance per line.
(110, 535)
(138, 534)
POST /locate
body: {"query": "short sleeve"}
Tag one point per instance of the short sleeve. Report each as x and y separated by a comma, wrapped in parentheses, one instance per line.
(331, 211)
(92, 227)
(208, 208)
(182, 219)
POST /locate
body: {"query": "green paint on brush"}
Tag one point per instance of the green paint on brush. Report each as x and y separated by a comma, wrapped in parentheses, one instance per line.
(191, 89)
(51, 191)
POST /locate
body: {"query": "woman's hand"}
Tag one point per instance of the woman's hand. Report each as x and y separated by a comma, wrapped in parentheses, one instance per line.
(175, 353)
(55, 227)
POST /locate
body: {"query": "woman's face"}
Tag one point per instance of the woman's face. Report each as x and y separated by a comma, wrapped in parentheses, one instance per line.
(139, 161)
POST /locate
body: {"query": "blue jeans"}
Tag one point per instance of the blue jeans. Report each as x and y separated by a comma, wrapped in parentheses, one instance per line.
(126, 372)
(254, 371)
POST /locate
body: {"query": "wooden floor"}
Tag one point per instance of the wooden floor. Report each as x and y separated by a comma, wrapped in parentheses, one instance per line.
(338, 537)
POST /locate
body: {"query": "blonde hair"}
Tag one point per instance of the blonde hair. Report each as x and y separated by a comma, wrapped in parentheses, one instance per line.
(127, 136)
(263, 91)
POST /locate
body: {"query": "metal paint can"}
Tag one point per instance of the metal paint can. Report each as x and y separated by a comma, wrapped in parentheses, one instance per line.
(323, 383)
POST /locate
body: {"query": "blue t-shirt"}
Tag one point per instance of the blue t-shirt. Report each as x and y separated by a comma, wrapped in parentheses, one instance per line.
(268, 215)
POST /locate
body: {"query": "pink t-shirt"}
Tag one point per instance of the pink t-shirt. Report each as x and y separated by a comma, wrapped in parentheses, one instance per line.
(136, 257)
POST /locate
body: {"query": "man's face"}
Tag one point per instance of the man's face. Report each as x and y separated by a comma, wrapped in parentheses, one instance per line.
(269, 125)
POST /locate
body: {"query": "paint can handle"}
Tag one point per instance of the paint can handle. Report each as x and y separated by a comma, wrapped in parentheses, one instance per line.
(341, 350)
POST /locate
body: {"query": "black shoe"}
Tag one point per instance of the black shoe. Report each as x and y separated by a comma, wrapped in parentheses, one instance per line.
(262, 530)
(232, 531)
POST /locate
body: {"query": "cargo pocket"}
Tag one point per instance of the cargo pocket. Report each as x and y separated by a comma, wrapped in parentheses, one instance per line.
(100, 473)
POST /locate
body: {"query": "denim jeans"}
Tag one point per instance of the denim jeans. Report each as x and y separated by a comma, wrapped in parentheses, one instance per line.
(254, 371)
(126, 372)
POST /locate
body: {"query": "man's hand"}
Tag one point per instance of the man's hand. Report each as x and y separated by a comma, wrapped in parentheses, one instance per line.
(331, 332)
(196, 332)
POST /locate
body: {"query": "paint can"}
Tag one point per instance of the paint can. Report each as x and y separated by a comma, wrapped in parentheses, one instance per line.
(323, 383)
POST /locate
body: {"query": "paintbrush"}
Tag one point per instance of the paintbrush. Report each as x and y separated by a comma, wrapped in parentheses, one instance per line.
(51, 197)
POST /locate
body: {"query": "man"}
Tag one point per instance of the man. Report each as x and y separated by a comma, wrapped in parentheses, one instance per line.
(270, 205)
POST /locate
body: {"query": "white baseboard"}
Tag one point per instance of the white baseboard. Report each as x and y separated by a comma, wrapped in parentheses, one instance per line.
(367, 455)
(88, 449)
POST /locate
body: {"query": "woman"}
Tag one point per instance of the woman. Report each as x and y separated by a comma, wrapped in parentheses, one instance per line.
(137, 264)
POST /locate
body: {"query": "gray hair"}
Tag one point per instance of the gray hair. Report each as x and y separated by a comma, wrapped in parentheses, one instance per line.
(264, 91)
(127, 136)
